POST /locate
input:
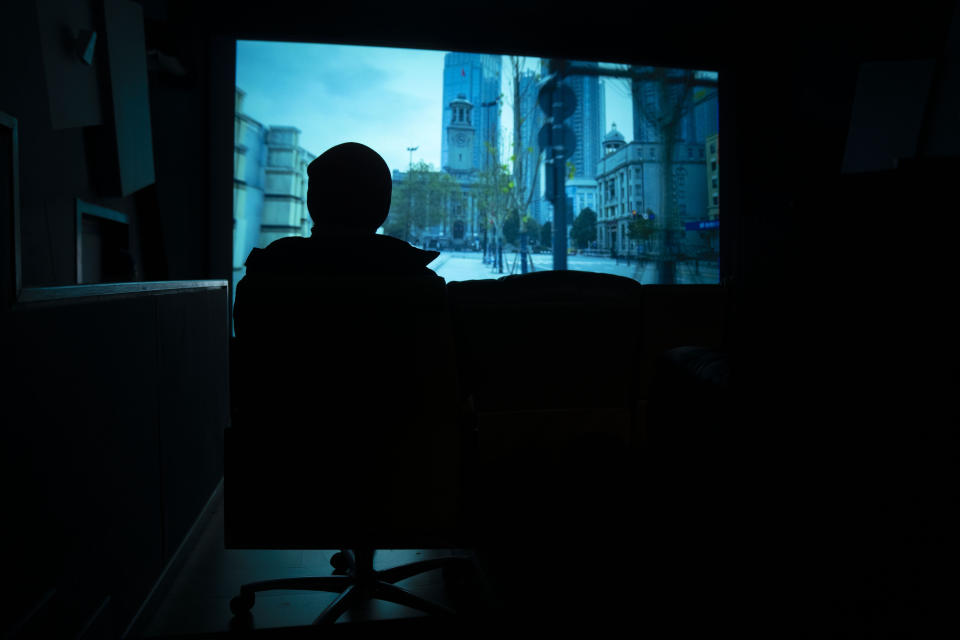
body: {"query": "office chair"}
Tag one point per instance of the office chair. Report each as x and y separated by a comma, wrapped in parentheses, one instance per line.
(574, 348)
(345, 432)
(548, 363)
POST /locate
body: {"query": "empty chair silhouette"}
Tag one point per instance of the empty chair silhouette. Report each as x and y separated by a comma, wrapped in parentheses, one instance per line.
(548, 362)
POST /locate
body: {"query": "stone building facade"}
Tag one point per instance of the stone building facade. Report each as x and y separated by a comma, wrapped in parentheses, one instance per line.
(629, 183)
(269, 185)
(629, 178)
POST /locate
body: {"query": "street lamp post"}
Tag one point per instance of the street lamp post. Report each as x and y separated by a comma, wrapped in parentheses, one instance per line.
(409, 183)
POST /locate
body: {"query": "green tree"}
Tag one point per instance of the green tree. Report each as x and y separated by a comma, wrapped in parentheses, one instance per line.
(422, 198)
(394, 226)
(511, 227)
(524, 161)
(444, 196)
(584, 228)
(511, 186)
(514, 224)
(494, 193)
(546, 234)
(407, 211)
(533, 229)
(641, 227)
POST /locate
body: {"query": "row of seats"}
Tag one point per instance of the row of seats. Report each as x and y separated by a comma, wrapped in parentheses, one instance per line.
(525, 363)
(499, 415)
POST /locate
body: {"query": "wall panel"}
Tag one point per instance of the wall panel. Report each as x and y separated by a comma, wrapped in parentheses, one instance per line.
(96, 503)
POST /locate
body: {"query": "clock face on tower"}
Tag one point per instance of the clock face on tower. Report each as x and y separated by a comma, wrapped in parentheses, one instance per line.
(461, 139)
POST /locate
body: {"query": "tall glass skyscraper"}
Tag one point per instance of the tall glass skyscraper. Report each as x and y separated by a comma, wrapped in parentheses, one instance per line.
(476, 76)
(587, 121)
(648, 101)
(532, 119)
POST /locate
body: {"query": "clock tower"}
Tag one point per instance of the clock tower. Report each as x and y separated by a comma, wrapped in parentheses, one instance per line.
(460, 135)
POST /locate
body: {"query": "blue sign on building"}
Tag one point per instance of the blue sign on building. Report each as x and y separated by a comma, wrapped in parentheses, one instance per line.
(699, 225)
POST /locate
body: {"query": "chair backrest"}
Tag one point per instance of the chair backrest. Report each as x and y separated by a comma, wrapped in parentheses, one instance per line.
(548, 340)
(345, 432)
(681, 315)
(550, 360)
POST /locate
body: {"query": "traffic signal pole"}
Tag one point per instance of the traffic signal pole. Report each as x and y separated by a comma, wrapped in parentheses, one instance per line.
(557, 140)
(556, 167)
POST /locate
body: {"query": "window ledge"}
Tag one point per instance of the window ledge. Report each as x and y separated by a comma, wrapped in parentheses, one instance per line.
(70, 294)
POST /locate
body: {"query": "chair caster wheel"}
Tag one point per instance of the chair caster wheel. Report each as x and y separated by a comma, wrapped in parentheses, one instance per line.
(242, 603)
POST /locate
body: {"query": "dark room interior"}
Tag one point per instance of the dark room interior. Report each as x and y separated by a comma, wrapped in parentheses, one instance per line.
(806, 496)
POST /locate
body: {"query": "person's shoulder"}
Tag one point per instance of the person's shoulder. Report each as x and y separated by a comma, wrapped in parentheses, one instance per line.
(401, 247)
(279, 252)
(287, 244)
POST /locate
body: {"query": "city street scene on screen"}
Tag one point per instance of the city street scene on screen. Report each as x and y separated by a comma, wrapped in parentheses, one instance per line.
(504, 164)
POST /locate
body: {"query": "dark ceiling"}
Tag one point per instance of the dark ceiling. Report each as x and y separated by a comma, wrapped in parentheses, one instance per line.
(692, 33)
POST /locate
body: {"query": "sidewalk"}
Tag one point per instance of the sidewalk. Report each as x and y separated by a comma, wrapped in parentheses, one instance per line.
(454, 266)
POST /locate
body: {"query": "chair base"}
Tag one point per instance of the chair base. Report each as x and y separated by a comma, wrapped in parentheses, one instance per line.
(359, 582)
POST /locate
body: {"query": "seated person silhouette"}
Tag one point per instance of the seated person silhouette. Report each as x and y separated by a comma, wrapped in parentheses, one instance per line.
(321, 307)
(339, 429)
(348, 196)
(332, 329)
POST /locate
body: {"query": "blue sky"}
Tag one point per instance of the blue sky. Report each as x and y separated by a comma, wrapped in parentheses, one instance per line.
(388, 99)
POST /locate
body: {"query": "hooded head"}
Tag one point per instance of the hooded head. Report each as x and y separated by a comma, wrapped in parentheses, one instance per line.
(348, 190)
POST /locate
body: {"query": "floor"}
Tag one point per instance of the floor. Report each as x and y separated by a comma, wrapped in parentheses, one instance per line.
(197, 603)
